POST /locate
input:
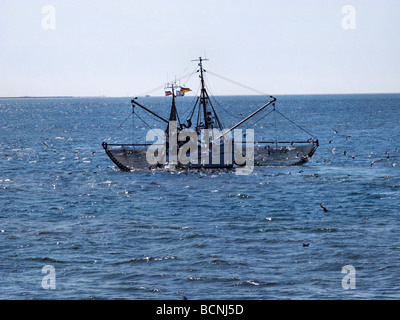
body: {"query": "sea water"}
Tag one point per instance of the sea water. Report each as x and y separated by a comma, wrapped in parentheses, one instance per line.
(73, 226)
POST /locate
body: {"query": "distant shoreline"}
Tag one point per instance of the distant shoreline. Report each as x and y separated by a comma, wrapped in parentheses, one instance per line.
(223, 95)
(49, 97)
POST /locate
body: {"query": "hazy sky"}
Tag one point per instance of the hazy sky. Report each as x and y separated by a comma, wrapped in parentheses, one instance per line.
(125, 48)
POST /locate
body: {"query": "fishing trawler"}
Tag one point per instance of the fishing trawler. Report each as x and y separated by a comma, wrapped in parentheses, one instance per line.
(203, 143)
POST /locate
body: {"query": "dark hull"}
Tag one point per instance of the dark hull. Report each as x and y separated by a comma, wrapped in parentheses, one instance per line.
(133, 157)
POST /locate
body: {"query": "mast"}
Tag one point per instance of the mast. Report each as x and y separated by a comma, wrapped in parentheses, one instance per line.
(203, 93)
(205, 101)
(174, 113)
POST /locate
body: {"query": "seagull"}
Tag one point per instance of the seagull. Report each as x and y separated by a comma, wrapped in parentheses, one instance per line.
(348, 137)
(306, 244)
(335, 131)
(48, 146)
(325, 209)
(372, 163)
(330, 141)
(345, 152)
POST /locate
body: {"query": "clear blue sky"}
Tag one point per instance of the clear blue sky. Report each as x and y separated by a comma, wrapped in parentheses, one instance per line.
(125, 48)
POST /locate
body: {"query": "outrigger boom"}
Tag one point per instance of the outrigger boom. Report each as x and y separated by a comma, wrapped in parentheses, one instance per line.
(149, 111)
(247, 118)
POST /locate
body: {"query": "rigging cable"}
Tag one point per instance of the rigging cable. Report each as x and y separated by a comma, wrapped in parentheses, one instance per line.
(193, 102)
(261, 118)
(216, 101)
(262, 93)
(276, 132)
(295, 124)
(119, 127)
(146, 124)
(188, 76)
(238, 83)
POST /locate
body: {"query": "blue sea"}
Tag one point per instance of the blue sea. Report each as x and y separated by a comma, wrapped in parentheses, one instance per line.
(145, 235)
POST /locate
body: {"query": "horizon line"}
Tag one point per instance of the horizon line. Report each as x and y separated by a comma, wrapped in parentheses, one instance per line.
(221, 95)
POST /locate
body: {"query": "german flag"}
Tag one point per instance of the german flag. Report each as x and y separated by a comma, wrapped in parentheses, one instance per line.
(184, 90)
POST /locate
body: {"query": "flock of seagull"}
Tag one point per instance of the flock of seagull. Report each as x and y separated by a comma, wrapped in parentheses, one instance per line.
(345, 153)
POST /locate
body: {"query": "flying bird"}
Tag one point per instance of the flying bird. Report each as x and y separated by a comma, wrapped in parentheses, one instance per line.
(44, 143)
(323, 208)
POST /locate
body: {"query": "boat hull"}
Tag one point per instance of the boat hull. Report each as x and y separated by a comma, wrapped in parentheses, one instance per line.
(133, 157)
